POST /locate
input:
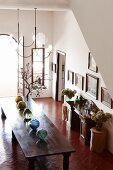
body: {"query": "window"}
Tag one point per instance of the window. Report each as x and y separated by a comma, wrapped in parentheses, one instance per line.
(40, 67)
(8, 66)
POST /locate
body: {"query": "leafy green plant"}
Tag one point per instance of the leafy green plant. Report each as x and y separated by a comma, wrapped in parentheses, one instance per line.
(69, 93)
(100, 117)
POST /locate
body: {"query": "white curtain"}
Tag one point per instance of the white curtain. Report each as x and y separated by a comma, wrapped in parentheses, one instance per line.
(8, 67)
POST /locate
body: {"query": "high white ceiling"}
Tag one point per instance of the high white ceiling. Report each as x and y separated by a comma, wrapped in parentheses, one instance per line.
(39, 4)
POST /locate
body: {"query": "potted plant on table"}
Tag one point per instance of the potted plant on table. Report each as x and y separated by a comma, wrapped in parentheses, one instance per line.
(69, 93)
(99, 118)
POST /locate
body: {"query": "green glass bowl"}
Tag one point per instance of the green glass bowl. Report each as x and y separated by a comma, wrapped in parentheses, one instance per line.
(41, 134)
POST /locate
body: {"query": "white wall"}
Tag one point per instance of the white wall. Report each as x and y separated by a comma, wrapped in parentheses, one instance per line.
(95, 19)
(69, 39)
(8, 25)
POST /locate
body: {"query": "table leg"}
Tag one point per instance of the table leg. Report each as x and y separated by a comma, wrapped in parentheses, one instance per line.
(31, 165)
(66, 161)
(14, 138)
(3, 116)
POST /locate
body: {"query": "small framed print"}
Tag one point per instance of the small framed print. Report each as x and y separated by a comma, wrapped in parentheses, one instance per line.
(79, 81)
(92, 84)
(70, 76)
(54, 68)
(91, 63)
(63, 68)
(106, 98)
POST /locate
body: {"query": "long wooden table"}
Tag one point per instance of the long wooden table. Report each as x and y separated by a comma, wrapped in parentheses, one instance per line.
(55, 143)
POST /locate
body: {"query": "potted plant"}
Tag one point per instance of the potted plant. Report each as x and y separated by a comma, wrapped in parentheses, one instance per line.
(99, 118)
(69, 93)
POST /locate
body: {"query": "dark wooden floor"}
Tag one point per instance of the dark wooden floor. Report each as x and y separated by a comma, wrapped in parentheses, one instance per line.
(12, 158)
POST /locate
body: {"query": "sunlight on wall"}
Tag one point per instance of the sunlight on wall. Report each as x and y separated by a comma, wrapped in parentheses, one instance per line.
(8, 67)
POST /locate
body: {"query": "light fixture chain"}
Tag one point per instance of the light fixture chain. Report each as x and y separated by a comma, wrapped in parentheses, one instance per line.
(35, 27)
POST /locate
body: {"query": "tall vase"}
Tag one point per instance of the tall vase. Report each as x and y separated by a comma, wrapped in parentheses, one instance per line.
(27, 97)
(99, 126)
(67, 99)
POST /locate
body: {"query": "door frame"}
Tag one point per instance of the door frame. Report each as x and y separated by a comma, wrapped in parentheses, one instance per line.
(58, 72)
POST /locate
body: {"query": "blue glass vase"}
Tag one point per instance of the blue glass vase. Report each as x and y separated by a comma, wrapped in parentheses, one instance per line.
(34, 124)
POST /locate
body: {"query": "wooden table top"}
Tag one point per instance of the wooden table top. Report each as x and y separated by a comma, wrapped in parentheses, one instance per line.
(55, 142)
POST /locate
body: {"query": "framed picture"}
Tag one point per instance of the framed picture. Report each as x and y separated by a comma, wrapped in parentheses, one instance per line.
(91, 63)
(54, 68)
(79, 81)
(70, 76)
(63, 68)
(106, 98)
(92, 83)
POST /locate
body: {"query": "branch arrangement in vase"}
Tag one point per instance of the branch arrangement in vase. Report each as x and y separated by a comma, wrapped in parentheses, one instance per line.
(33, 87)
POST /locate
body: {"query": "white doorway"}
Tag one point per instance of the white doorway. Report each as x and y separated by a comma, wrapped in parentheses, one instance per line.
(60, 77)
(8, 66)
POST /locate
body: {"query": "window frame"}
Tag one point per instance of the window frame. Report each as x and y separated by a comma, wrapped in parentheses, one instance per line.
(43, 63)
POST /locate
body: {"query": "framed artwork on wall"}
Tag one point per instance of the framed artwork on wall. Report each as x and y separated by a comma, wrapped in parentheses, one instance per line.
(54, 68)
(70, 76)
(63, 67)
(92, 83)
(91, 63)
(79, 81)
(106, 98)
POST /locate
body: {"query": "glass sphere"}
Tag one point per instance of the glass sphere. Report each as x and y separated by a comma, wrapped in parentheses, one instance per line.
(41, 134)
(27, 115)
(34, 124)
(21, 105)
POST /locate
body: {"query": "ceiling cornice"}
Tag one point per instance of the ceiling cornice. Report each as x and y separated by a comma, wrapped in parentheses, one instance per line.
(39, 4)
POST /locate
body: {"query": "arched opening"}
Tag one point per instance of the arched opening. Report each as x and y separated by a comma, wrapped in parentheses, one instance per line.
(8, 66)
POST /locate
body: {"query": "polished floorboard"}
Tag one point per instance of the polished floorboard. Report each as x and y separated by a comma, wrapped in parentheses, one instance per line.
(12, 157)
